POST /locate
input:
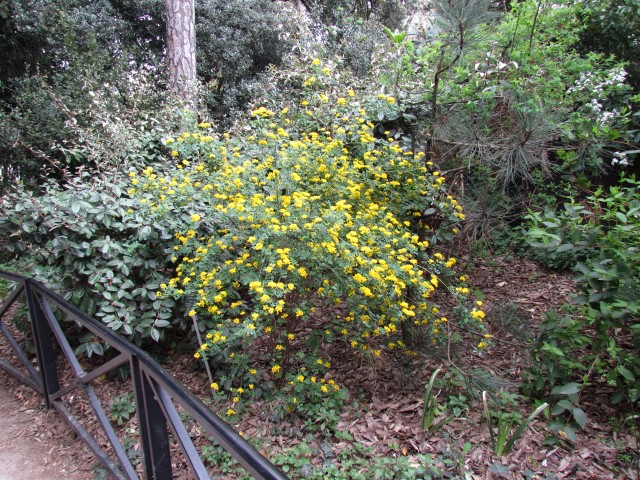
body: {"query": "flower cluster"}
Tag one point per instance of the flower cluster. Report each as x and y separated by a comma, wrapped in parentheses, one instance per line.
(295, 216)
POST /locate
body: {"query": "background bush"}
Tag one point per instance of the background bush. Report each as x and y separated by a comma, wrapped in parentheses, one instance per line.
(603, 232)
(87, 241)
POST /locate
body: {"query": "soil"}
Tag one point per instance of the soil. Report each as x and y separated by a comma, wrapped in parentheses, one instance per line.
(36, 443)
(388, 402)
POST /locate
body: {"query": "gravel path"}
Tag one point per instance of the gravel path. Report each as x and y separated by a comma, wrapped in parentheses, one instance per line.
(27, 450)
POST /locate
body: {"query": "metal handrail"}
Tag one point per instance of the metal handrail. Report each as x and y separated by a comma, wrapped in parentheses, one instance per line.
(157, 392)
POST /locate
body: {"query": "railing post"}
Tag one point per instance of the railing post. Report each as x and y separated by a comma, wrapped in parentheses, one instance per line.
(42, 336)
(154, 435)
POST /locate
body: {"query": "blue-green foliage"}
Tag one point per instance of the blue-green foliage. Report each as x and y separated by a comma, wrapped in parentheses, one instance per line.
(87, 242)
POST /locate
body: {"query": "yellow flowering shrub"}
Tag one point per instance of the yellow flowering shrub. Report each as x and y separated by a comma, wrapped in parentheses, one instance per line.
(283, 221)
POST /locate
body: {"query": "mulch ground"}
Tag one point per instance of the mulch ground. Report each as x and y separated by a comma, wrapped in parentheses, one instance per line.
(385, 405)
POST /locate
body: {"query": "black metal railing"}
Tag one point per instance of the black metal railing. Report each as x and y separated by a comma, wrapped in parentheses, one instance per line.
(158, 395)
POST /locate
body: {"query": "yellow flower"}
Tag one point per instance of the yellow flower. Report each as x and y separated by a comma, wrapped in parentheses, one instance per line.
(315, 61)
(215, 386)
(366, 291)
(195, 217)
(359, 278)
(191, 313)
(276, 368)
(262, 112)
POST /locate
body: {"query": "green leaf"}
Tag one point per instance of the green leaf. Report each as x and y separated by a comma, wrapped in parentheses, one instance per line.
(568, 389)
(621, 216)
(552, 349)
(580, 417)
(97, 348)
(570, 433)
(155, 334)
(566, 404)
(144, 232)
(626, 373)
(525, 423)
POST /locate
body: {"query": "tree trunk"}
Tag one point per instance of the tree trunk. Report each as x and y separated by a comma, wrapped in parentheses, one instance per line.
(181, 45)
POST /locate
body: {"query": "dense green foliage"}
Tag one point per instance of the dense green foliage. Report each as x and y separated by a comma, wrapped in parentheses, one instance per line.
(613, 27)
(78, 75)
(237, 40)
(319, 221)
(87, 242)
(518, 101)
(603, 234)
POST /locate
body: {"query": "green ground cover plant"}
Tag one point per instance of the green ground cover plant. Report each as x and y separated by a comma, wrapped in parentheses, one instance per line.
(603, 231)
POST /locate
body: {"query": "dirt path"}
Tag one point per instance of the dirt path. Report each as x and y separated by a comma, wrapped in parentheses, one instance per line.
(36, 443)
